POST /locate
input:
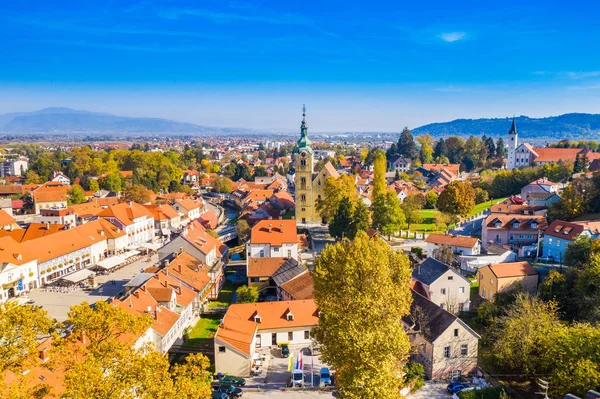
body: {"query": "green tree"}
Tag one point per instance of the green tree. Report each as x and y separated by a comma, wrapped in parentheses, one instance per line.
(360, 219)
(387, 215)
(33, 177)
(246, 294)
(363, 283)
(411, 207)
(77, 195)
(426, 150)
(458, 198)
(136, 193)
(243, 230)
(112, 182)
(431, 199)
(441, 150)
(481, 196)
(342, 219)
(222, 185)
(333, 192)
(500, 148)
(93, 185)
(406, 144)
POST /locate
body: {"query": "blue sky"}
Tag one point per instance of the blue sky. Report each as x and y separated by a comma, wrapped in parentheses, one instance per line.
(359, 66)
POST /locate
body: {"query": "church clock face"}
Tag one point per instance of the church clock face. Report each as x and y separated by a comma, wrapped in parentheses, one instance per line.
(303, 154)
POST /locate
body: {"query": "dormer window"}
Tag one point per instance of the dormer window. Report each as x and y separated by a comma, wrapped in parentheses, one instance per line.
(290, 316)
(257, 318)
(515, 225)
(497, 225)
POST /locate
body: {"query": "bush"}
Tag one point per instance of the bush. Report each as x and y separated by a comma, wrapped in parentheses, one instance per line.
(418, 251)
(246, 294)
(415, 375)
(481, 196)
(485, 393)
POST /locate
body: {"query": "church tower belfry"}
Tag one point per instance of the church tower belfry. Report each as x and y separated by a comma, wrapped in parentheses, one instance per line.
(303, 160)
(513, 144)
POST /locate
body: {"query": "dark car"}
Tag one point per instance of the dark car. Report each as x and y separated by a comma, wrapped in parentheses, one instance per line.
(231, 391)
(456, 387)
(218, 395)
(285, 350)
(235, 381)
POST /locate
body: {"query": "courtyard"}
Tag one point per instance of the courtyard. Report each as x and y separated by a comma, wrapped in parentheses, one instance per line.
(57, 304)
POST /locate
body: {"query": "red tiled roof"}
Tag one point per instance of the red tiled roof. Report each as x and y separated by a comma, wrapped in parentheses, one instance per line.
(452, 240)
(274, 232)
(513, 269)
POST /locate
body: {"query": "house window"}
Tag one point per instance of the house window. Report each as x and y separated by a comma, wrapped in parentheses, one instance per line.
(275, 249)
(491, 281)
(443, 291)
(464, 350)
(274, 339)
(222, 349)
(450, 277)
(483, 291)
(549, 240)
(262, 253)
(442, 306)
(254, 279)
(447, 352)
(516, 225)
(461, 290)
(490, 295)
(521, 236)
(461, 307)
(456, 332)
(289, 253)
(307, 334)
(290, 336)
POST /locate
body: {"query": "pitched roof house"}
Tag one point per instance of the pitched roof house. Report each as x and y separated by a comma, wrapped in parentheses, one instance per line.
(463, 245)
(504, 277)
(442, 285)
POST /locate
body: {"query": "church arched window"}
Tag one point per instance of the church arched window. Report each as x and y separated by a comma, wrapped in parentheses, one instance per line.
(303, 180)
(303, 162)
(303, 197)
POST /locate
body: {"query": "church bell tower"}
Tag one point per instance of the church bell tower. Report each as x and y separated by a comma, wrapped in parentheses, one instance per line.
(303, 159)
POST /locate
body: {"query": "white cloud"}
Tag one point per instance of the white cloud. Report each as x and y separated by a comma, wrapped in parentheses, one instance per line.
(583, 75)
(451, 37)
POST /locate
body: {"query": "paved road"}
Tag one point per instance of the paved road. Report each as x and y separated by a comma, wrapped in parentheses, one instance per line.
(58, 304)
(471, 228)
(289, 394)
(431, 390)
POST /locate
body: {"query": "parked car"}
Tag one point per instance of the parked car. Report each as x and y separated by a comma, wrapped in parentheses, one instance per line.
(218, 395)
(231, 391)
(285, 350)
(297, 378)
(456, 387)
(325, 377)
(235, 381)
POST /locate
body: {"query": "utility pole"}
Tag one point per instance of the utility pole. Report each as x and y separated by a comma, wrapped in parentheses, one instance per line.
(312, 365)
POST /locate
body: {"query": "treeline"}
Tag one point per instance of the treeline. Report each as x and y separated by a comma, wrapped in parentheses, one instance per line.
(589, 144)
(470, 154)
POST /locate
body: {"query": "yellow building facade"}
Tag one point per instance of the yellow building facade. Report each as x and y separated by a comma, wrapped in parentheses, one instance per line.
(309, 185)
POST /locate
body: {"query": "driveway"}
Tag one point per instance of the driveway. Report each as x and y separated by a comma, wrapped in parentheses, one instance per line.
(289, 394)
(57, 304)
(431, 390)
(277, 373)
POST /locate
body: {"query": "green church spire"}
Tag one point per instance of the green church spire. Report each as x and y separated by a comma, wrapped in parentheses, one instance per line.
(304, 142)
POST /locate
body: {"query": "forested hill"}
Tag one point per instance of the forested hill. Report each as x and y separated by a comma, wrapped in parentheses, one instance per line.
(567, 126)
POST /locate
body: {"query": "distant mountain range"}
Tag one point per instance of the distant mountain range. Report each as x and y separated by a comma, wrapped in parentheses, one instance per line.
(66, 120)
(567, 126)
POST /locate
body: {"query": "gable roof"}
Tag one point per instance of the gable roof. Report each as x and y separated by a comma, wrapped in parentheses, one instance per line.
(512, 269)
(12, 252)
(300, 287)
(141, 302)
(422, 310)
(188, 204)
(190, 270)
(126, 212)
(452, 240)
(264, 267)
(238, 326)
(49, 196)
(162, 212)
(563, 229)
(197, 235)
(289, 270)
(430, 270)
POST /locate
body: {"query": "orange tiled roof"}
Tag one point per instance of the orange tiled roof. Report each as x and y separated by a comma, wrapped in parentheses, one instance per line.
(140, 301)
(162, 212)
(452, 240)
(513, 269)
(300, 287)
(190, 270)
(451, 167)
(274, 232)
(125, 212)
(239, 323)
(189, 204)
(197, 235)
(13, 252)
(264, 267)
(33, 231)
(6, 219)
(209, 219)
(49, 196)
(560, 154)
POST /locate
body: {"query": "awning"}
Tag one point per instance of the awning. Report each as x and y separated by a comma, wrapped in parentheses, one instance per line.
(153, 246)
(130, 253)
(78, 276)
(111, 262)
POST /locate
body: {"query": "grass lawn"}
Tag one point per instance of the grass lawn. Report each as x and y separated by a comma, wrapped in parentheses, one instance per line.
(225, 296)
(289, 215)
(205, 328)
(485, 205)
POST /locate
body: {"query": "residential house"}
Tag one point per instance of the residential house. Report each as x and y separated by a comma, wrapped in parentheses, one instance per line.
(49, 200)
(538, 186)
(196, 241)
(517, 205)
(273, 238)
(399, 163)
(166, 219)
(191, 177)
(134, 219)
(519, 232)
(285, 277)
(14, 167)
(191, 272)
(505, 277)
(560, 234)
(189, 209)
(64, 216)
(460, 245)
(18, 269)
(442, 285)
(209, 220)
(248, 328)
(444, 344)
(59, 177)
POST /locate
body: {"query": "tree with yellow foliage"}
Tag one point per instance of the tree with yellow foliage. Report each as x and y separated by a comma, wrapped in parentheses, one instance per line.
(333, 192)
(361, 289)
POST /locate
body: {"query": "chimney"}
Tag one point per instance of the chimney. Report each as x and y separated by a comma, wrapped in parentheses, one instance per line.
(156, 276)
(165, 283)
(47, 226)
(179, 268)
(180, 250)
(178, 290)
(43, 355)
(81, 337)
(136, 294)
(143, 288)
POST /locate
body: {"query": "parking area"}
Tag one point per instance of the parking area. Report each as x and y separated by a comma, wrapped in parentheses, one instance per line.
(289, 395)
(278, 374)
(432, 390)
(57, 304)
